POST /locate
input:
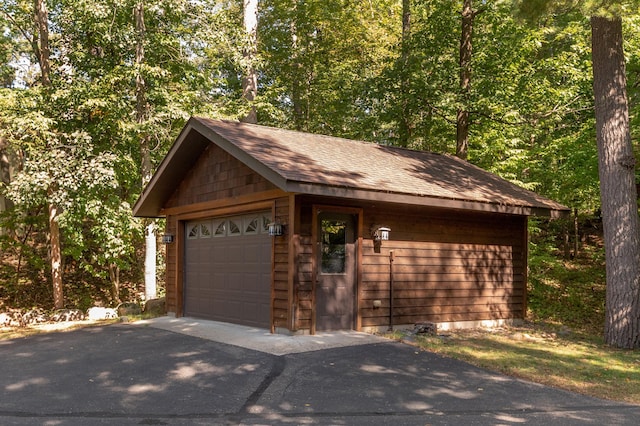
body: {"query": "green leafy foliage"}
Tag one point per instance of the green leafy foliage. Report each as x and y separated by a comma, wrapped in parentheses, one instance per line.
(320, 59)
(78, 143)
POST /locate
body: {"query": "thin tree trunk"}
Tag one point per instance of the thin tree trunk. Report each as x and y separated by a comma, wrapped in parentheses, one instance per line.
(142, 108)
(617, 185)
(142, 115)
(576, 233)
(466, 50)
(250, 79)
(42, 49)
(406, 126)
(114, 274)
(296, 89)
(150, 285)
(41, 17)
(5, 177)
(56, 257)
(302, 77)
(566, 241)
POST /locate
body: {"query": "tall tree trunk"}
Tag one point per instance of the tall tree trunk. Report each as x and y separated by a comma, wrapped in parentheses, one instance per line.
(617, 185)
(302, 74)
(142, 115)
(142, 105)
(250, 79)
(296, 89)
(42, 51)
(406, 126)
(42, 48)
(466, 49)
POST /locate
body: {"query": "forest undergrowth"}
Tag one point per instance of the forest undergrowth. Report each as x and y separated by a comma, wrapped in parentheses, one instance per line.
(567, 288)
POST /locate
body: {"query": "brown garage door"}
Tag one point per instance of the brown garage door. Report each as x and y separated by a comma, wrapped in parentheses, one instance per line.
(228, 269)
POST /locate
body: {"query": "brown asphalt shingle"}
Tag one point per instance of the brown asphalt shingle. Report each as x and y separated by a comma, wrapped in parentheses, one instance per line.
(337, 162)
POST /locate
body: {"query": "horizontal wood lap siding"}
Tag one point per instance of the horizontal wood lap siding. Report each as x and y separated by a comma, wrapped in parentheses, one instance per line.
(281, 303)
(216, 176)
(171, 273)
(303, 274)
(304, 282)
(462, 267)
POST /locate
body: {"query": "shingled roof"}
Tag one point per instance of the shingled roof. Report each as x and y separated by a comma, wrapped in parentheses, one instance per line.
(306, 163)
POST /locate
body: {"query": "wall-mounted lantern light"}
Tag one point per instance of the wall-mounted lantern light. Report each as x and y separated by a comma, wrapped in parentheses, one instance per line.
(381, 233)
(276, 229)
(167, 238)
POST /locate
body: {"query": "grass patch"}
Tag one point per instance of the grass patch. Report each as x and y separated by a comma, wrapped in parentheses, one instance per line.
(578, 363)
(7, 333)
(52, 327)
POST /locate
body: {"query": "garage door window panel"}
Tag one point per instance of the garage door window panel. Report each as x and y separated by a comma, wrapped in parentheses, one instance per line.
(193, 233)
(205, 230)
(219, 228)
(266, 220)
(251, 225)
(235, 227)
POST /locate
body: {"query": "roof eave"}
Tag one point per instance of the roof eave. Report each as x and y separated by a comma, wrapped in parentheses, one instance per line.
(427, 201)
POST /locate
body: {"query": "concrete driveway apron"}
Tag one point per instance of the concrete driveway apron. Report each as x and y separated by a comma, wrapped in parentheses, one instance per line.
(130, 374)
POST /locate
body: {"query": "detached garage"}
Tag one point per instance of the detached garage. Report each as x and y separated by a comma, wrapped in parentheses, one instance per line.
(299, 233)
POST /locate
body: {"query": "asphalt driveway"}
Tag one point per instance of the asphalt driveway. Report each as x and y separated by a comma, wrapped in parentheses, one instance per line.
(130, 374)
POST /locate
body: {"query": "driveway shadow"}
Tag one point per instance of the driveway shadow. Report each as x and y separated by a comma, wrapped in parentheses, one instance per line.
(132, 374)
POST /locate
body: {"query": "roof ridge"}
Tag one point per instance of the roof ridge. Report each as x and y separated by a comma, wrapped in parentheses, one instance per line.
(322, 135)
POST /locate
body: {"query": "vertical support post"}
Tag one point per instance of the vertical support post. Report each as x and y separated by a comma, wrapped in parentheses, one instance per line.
(293, 264)
(525, 270)
(391, 290)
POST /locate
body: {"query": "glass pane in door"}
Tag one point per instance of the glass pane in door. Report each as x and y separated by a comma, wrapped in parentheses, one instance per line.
(333, 245)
